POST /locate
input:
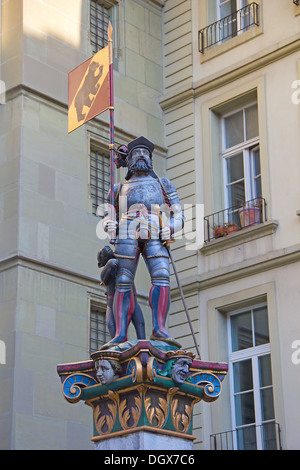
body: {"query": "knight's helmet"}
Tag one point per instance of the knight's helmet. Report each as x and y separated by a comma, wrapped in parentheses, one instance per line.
(124, 151)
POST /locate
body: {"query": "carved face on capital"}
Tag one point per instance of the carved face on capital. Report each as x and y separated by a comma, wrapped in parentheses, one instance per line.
(180, 370)
(107, 371)
(139, 160)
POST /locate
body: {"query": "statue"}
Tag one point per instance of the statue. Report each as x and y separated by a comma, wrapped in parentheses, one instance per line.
(107, 367)
(178, 365)
(139, 232)
(181, 369)
(107, 261)
(107, 371)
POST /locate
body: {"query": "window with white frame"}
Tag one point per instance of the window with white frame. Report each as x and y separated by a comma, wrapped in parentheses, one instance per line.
(230, 18)
(250, 374)
(241, 158)
(234, 16)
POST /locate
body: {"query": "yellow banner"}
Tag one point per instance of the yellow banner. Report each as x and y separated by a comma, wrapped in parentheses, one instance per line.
(88, 89)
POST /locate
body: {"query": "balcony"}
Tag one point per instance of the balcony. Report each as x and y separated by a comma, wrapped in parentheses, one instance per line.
(234, 219)
(266, 436)
(228, 27)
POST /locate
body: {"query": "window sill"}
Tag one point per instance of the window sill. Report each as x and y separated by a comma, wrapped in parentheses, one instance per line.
(215, 51)
(242, 236)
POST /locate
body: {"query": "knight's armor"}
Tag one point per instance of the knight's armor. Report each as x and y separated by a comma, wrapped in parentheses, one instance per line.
(136, 202)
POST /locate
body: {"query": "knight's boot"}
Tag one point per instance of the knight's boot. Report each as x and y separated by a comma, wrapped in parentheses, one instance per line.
(123, 310)
(159, 300)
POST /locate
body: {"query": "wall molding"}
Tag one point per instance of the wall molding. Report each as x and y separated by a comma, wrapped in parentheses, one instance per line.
(242, 236)
(92, 283)
(212, 82)
(235, 272)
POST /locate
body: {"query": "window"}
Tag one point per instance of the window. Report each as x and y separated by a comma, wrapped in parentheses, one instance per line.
(231, 17)
(98, 328)
(237, 190)
(99, 179)
(101, 12)
(99, 18)
(250, 374)
(234, 16)
(241, 160)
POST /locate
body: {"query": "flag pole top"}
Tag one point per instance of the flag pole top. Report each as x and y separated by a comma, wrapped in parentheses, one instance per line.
(109, 32)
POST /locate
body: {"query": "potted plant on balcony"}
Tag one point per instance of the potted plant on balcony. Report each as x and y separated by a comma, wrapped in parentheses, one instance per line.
(225, 229)
(231, 227)
(251, 213)
(220, 231)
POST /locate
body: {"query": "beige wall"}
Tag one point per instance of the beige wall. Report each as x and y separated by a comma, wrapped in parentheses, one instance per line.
(166, 90)
(48, 249)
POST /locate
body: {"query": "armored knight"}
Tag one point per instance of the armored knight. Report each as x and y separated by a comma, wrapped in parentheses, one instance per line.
(139, 232)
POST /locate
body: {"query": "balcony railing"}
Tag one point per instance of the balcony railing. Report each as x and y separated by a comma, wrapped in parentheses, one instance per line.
(266, 436)
(229, 26)
(235, 218)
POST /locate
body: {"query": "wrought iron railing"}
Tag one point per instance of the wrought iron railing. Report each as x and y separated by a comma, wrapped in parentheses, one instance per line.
(266, 436)
(229, 26)
(235, 218)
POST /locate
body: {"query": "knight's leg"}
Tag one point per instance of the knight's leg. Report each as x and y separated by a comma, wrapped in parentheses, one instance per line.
(159, 298)
(123, 306)
(110, 320)
(138, 318)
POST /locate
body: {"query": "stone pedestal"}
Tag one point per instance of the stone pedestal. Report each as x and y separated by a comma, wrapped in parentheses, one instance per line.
(146, 406)
(143, 440)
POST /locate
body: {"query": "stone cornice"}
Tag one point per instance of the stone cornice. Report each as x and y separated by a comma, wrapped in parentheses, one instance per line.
(250, 64)
(235, 272)
(52, 269)
(242, 236)
(155, 4)
(91, 126)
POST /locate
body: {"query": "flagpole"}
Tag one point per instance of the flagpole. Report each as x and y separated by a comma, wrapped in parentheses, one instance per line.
(111, 114)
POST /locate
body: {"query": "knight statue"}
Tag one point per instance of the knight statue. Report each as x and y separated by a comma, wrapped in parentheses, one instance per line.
(139, 231)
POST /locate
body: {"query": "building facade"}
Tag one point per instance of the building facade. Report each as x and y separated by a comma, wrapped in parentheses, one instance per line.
(232, 119)
(214, 84)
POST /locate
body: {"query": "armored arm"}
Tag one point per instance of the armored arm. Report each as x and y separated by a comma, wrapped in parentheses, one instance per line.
(176, 217)
(111, 215)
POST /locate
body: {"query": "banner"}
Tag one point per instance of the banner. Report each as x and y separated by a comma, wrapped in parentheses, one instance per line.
(89, 89)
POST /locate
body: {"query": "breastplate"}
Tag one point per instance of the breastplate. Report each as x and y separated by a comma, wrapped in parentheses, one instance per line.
(140, 190)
